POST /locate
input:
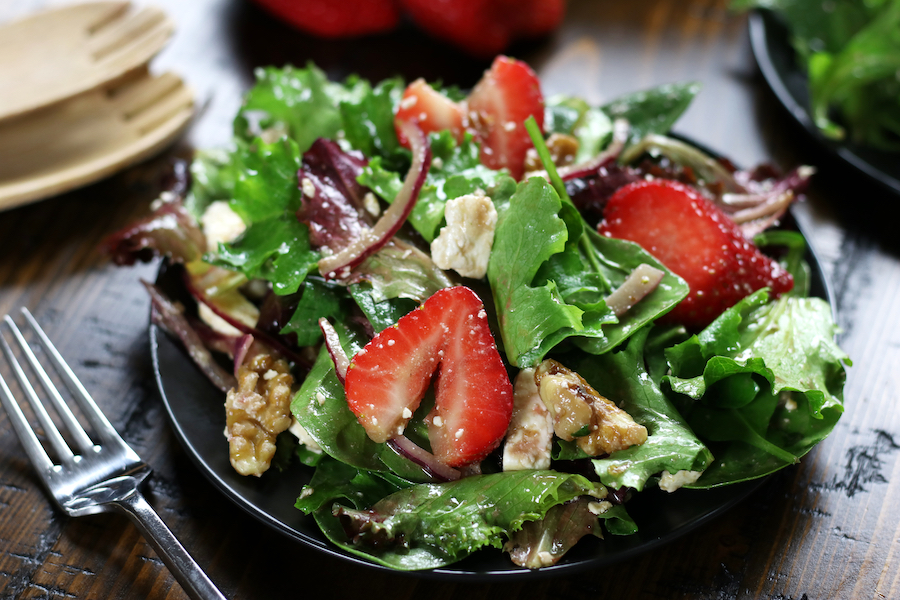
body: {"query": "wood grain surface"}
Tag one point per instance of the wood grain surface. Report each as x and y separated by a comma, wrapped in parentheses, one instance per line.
(827, 528)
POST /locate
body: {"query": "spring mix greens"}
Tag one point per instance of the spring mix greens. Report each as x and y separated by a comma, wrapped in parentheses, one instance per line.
(314, 166)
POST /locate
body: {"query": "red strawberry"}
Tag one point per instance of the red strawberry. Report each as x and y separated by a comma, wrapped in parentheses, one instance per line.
(508, 94)
(473, 396)
(430, 109)
(330, 19)
(485, 27)
(695, 240)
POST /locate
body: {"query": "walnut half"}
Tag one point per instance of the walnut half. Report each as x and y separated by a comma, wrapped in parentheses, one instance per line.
(579, 412)
(256, 411)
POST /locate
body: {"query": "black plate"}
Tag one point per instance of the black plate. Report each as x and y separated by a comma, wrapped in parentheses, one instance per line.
(196, 411)
(771, 45)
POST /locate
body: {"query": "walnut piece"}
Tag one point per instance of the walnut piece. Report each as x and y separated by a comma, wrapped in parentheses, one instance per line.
(576, 407)
(256, 411)
(562, 147)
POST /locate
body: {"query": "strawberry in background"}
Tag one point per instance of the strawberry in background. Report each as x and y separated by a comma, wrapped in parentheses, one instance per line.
(481, 28)
(336, 18)
(484, 28)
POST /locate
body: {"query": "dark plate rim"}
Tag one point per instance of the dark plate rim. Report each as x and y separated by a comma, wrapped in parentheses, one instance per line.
(775, 57)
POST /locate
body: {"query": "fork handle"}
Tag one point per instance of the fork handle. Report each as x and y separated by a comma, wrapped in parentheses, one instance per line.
(193, 580)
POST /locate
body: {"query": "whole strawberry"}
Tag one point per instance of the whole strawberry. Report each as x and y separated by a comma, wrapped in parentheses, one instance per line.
(696, 241)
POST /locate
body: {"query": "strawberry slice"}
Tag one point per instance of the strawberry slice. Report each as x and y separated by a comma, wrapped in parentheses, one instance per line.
(449, 335)
(430, 109)
(508, 94)
(695, 240)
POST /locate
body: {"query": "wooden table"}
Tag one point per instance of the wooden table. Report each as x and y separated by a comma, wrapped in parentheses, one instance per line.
(828, 528)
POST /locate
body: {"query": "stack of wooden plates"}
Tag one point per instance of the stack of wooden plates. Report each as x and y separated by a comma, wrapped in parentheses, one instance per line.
(79, 102)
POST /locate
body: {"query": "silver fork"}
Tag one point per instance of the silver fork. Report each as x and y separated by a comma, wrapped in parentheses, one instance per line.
(98, 477)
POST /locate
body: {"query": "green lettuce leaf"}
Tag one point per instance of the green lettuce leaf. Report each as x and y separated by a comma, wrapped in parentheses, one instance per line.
(784, 349)
(266, 185)
(300, 103)
(432, 525)
(276, 249)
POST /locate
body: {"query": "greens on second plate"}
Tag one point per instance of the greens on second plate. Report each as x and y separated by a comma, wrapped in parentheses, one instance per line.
(850, 50)
(749, 394)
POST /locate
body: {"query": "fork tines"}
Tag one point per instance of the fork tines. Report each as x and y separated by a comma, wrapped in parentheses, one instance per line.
(103, 431)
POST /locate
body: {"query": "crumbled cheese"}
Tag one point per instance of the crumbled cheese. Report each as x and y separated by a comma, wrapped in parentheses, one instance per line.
(670, 483)
(407, 414)
(529, 439)
(270, 374)
(370, 203)
(464, 244)
(303, 437)
(308, 187)
(598, 508)
(221, 224)
(437, 421)
(320, 398)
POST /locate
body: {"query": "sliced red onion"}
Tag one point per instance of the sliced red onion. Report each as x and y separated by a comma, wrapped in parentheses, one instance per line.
(335, 350)
(170, 317)
(643, 280)
(339, 265)
(704, 165)
(240, 351)
(621, 127)
(405, 447)
(266, 338)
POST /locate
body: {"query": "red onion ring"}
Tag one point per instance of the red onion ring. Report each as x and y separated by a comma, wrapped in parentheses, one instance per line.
(335, 350)
(405, 447)
(339, 265)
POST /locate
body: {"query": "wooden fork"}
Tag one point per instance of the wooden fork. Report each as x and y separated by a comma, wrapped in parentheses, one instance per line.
(86, 138)
(61, 52)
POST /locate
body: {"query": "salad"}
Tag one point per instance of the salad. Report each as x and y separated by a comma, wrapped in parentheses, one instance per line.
(489, 319)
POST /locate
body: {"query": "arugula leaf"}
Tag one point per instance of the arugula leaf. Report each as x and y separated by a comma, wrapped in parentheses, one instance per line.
(654, 110)
(548, 286)
(432, 525)
(456, 170)
(670, 445)
(789, 345)
(276, 250)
